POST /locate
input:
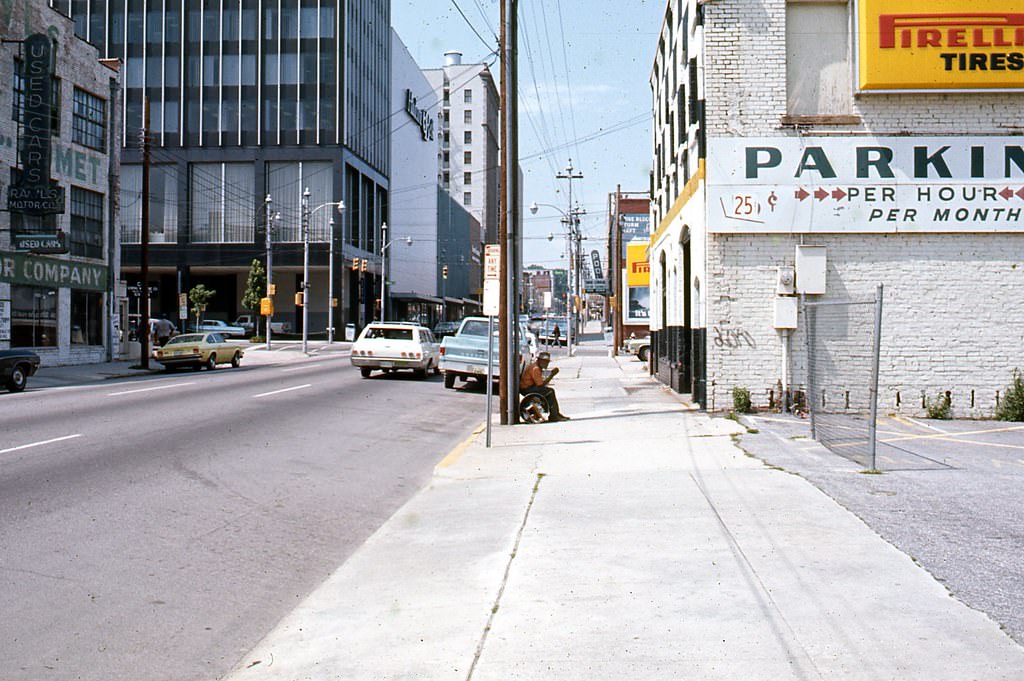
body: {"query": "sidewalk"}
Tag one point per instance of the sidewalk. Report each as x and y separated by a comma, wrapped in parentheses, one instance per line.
(255, 354)
(633, 542)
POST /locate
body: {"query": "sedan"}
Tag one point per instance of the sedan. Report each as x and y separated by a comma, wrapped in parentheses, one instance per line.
(221, 327)
(15, 368)
(198, 350)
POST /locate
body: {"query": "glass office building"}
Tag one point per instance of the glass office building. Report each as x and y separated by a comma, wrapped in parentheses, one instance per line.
(250, 98)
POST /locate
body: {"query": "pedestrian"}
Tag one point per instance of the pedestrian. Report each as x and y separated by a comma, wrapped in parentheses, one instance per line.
(533, 382)
(556, 334)
(164, 329)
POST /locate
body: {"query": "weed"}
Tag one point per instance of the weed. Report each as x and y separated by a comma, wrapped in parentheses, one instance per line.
(1011, 407)
(939, 408)
(741, 401)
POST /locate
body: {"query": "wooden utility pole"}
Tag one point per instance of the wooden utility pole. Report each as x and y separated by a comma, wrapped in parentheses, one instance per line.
(143, 329)
(503, 203)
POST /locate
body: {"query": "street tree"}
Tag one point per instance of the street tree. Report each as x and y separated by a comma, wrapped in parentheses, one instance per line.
(200, 297)
(255, 286)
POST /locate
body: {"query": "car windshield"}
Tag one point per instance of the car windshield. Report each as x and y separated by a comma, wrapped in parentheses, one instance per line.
(476, 327)
(187, 338)
(388, 333)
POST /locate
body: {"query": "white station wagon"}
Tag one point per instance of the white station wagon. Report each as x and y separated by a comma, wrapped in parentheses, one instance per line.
(390, 346)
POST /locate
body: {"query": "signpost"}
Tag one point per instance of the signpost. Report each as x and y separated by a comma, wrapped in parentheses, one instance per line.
(492, 304)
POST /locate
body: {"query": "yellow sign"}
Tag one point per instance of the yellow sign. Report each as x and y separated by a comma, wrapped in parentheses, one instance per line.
(266, 307)
(940, 44)
(638, 269)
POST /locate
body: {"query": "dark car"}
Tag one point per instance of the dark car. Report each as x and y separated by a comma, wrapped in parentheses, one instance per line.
(15, 368)
(445, 329)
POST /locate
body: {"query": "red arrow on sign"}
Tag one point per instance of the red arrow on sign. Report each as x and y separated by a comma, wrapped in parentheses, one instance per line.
(1007, 193)
(1020, 192)
(801, 194)
(838, 194)
(820, 194)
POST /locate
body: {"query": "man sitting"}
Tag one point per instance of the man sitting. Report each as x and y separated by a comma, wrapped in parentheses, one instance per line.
(532, 382)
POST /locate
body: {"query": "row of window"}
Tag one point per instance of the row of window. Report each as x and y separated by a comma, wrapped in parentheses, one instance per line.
(86, 237)
(467, 96)
(89, 113)
(34, 317)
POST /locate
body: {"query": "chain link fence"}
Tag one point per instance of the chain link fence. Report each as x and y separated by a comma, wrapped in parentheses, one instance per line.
(843, 347)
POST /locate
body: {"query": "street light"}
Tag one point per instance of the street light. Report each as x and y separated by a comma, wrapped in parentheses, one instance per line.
(384, 245)
(307, 215)
(572, 220)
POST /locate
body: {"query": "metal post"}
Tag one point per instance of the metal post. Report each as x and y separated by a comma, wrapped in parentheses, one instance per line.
(872, 425)
(144, 311)
(305, 271)
(812, 387)
(330, 282)
(269, 202)
(383, 271)
(490, 372)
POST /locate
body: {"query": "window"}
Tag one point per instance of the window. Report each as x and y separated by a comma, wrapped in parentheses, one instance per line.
(817, 59)
(467, 116)
(467, 137)
(445, 179)
(467, 198)
(90, 115)
(447, 97)
(86, 223)
(86, 318)
(33, 317)
(467, 96)
(19, 97)
(467, 157)
(467, 178)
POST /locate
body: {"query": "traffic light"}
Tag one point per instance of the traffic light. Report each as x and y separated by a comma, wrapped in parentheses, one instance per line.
(298, 299)
(363, 266)
(444, 271)
(355, 264)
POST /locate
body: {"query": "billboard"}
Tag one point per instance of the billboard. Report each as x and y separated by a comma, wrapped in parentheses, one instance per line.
(940, 45)
(637, 309)
(634, 227)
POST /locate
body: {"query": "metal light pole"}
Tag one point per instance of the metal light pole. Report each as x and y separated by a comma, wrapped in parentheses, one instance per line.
(330, 283)
(269, 202)
(305, 271)
(570, 175)
(384, 271)
(573, 237)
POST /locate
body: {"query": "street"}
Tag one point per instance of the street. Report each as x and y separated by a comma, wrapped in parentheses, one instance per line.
(157, 528)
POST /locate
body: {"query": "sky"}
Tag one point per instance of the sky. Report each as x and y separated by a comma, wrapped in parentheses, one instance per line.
(584, 94)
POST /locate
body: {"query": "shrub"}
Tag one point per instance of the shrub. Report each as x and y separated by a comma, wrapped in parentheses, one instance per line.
(1011, 407)
(741, 401)
(940, 407)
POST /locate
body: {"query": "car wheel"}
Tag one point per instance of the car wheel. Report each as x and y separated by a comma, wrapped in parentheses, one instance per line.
(420, 374)
(236, 361)
(642, 354)
(211, 362)
(18, 380)
(365, 371)
(449, 380)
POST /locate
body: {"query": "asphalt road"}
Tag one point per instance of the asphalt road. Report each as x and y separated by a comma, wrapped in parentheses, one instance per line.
(157, 528)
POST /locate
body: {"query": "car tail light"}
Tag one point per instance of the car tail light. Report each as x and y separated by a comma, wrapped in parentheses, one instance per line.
(419, 356)
(195, 350)
(370, 353)
(442, 349)
(403, 353)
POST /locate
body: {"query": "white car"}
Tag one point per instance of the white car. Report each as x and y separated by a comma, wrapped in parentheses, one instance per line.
(390, 346)
(221, 327)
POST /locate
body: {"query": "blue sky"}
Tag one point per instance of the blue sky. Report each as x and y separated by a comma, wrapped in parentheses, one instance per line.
(584, 94)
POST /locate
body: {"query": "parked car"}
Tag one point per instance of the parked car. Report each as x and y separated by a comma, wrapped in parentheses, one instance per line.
(218, 326)
(641, 347)
(464, 355)
(15, 368)
(391, 346)
(443, 329)
(198, 350)
(249, 323)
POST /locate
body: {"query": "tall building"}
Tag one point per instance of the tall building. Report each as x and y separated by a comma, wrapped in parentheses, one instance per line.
(60, 138)
(806, 152)
(469, 147)
(252, 99)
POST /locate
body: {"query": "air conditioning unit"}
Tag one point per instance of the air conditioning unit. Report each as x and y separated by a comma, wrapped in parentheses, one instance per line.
(786, 282)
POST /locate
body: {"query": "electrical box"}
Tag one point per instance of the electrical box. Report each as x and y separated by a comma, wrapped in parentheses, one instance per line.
(810, 270)
(786, 282)
(785, 312)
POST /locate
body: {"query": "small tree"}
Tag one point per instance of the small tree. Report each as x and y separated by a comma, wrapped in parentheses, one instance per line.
(1011, 407)
(200, 297)
(939, 408)
(741, 401)
(255, 286)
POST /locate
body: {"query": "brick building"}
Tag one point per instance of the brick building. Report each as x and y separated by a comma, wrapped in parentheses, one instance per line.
(847, 145)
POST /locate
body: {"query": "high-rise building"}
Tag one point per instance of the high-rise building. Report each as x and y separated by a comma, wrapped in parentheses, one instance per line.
(250, 99)
(468, 168)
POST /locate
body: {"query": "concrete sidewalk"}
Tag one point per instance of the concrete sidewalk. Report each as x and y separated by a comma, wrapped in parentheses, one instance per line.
(633, 542)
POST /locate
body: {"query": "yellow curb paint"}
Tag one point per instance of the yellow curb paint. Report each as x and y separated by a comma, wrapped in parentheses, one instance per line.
(460, 448)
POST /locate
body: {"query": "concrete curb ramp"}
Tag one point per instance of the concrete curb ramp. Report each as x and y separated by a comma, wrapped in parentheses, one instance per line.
(634, 542)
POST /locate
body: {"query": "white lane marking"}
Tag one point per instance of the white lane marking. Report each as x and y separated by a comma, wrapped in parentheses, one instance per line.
(40, 444)
(147, 390)
(285, 390)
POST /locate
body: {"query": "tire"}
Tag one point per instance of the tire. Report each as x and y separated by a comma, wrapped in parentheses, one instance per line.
(643, 353)
(18, 380)
(420, 374)
(236, 361)
(211, 361)
(365, 371)
(534, 409)
(449, 380)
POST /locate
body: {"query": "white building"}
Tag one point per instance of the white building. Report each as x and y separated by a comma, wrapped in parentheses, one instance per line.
(890, 142)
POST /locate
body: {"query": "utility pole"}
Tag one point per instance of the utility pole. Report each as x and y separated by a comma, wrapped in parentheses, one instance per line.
(143, 330)
(574, 226)
(503, 203)
(269, 202)
(305, 271)
(384, 271)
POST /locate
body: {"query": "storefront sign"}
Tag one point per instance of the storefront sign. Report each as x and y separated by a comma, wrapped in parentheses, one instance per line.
(595, 257)
(940, 44)
(34, 194)
(41, 243)
(421, 116)
(634, 227)
(637, 284)
(866, 184)
(5, 320)
(19, 268)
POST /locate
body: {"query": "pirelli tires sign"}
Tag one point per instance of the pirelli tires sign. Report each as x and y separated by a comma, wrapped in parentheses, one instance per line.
(940, 45)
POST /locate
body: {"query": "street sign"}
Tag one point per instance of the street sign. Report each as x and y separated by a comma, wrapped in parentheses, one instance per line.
(492, 263)
(492, 297)
(596, 286)
(135, 290)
